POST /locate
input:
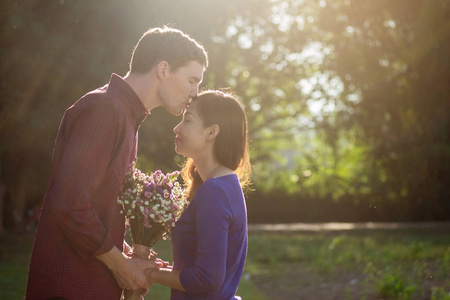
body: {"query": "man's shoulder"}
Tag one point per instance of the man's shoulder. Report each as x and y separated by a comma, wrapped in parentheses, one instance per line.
(98, 98)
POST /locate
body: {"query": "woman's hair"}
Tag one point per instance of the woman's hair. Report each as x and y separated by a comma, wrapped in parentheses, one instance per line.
(166, 44)
(230, 145)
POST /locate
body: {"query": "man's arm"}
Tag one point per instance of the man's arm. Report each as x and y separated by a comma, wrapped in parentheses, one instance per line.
(90, 143)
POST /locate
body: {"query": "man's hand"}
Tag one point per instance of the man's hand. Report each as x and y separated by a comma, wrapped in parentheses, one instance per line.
(129, 273)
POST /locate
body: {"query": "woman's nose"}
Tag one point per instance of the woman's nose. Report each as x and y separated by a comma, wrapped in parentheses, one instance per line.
(175, 129)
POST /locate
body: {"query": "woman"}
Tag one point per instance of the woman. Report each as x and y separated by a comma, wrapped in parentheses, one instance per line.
(209, 241)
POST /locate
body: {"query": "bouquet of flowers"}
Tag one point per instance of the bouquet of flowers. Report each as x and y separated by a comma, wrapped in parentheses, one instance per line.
(151, 205)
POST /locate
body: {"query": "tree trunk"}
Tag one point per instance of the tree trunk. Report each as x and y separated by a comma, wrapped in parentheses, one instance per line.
(2, 196)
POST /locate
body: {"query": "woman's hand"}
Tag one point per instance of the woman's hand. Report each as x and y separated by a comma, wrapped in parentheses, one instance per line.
(130, 274)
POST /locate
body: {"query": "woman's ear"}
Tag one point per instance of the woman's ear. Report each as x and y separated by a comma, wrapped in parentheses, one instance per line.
(162, 69)
(212, 132)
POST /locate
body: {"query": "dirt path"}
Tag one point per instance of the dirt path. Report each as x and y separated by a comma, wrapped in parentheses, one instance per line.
(343, 226)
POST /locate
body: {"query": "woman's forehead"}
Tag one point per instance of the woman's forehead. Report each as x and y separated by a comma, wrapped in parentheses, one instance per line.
(192, 106)
(190, 110)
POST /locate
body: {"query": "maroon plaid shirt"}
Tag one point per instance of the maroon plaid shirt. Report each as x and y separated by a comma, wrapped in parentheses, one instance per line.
(96, 141)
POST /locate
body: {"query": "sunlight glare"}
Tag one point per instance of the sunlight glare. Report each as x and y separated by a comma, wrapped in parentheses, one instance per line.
(245, 41)
(280, 16)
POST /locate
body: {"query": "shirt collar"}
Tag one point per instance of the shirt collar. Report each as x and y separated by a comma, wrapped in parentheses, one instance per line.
(119, 85)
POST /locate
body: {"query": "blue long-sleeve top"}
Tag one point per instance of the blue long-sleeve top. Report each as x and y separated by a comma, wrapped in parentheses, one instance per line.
(209, 241)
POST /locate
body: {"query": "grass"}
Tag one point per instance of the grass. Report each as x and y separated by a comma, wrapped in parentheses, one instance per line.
(377, 264)
(15, 252)
(400, 264)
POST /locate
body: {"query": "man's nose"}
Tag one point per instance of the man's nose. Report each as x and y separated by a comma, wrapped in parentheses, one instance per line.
(194, 92)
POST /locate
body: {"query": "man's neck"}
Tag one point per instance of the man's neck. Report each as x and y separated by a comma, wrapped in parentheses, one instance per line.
(145, 88)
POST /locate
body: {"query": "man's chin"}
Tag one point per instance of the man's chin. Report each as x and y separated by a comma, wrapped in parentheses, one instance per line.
(175, 113)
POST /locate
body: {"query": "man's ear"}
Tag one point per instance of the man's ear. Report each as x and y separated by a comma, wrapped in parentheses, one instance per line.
(213, 131)
(163, 69)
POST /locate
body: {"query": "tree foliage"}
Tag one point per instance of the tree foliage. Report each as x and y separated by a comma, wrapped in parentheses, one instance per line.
(347, 100)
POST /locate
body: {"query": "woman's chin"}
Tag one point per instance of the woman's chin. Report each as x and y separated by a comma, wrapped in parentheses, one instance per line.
(177, 151)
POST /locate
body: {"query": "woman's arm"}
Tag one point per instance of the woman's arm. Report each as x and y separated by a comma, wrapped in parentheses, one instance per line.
(167, 277)
(207, 274)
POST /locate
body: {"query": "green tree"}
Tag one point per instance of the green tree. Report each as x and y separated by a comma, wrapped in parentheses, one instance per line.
(347, 100)
(393, 54)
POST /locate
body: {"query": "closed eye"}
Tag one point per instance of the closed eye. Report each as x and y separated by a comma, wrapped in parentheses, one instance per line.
(194, 80)
(186, 117)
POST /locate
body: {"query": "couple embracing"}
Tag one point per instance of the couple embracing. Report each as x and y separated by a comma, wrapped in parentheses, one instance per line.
(79, 250)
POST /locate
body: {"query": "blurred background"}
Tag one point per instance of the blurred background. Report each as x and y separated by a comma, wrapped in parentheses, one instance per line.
(348, 101)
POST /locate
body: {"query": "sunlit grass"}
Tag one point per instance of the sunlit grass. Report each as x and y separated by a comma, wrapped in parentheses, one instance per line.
(362, 265)
(15, 253)
(397, 264)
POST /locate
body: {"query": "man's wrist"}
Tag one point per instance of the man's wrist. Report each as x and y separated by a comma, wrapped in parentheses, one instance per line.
(112, 258)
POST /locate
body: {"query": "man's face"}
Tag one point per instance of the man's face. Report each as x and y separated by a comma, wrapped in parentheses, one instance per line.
(180, 86)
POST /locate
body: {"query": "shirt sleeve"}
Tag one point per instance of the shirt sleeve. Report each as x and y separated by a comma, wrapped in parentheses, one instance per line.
(89, 148)
(212, 219)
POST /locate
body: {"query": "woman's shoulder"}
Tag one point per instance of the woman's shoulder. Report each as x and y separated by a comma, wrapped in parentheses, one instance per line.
(221, 182)
(217, 186)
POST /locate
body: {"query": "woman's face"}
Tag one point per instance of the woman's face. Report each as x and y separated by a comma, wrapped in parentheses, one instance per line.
(191, 134)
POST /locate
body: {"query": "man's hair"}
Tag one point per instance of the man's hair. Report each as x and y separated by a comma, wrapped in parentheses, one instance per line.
(166, 44)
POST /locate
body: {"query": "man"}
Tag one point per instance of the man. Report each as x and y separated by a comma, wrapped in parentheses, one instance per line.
(79, 251)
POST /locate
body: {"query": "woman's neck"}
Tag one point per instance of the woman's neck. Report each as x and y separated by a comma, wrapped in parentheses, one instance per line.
(209, 169)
